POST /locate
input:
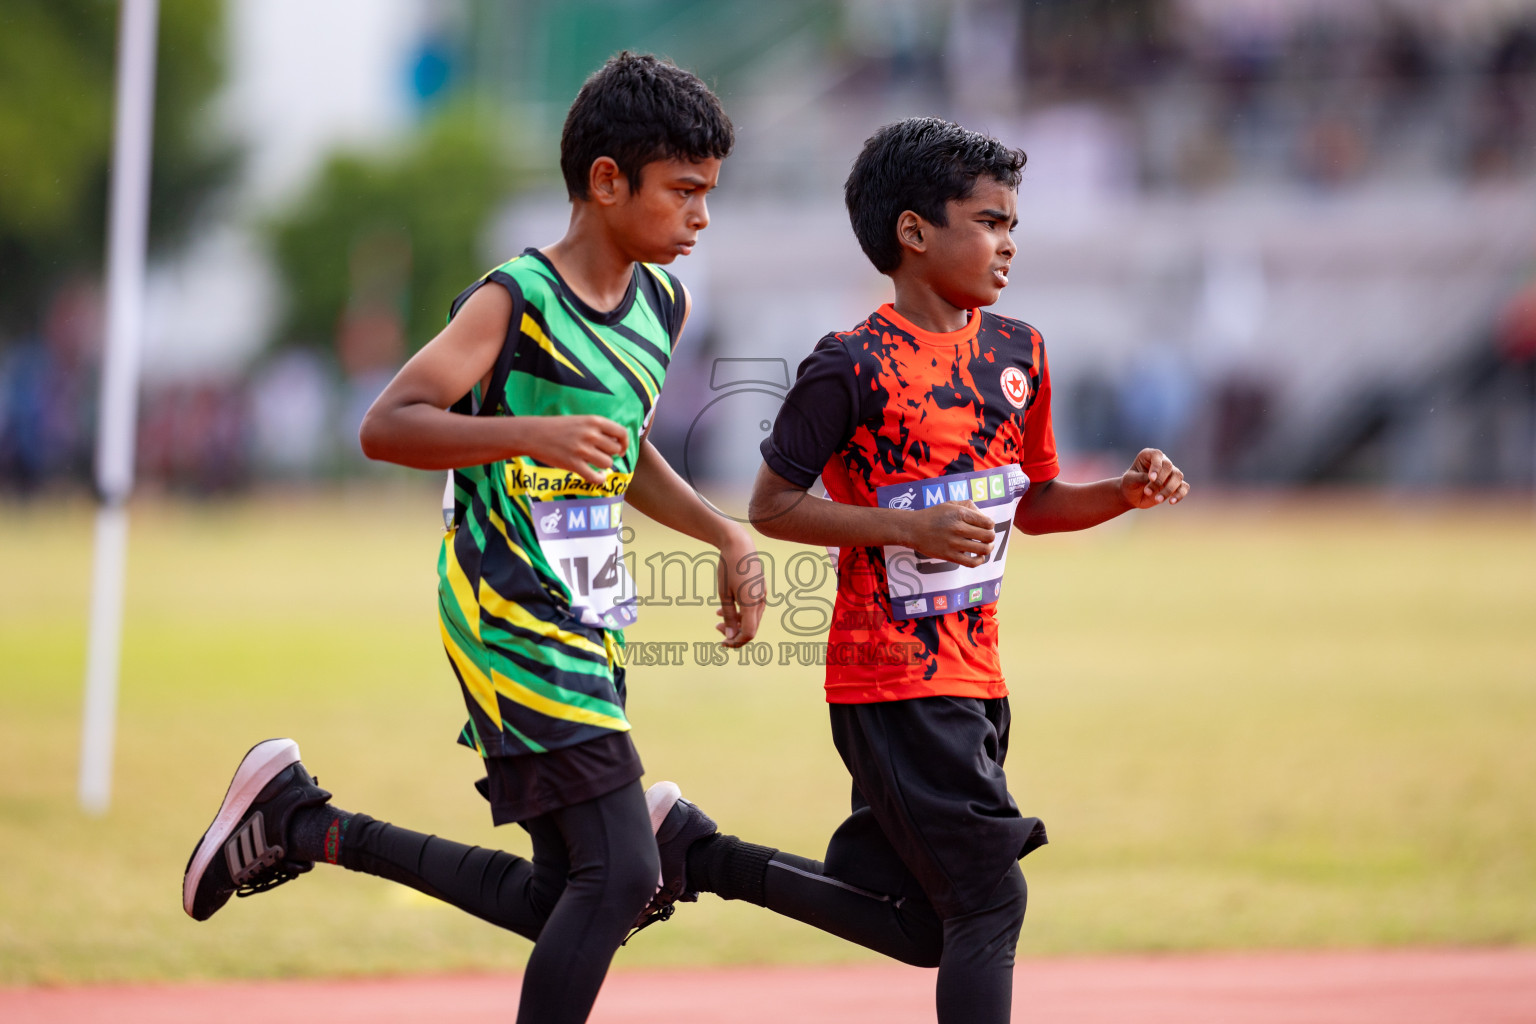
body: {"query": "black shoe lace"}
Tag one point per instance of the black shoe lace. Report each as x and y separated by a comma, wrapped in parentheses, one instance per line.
(273, 877)
(661, 913)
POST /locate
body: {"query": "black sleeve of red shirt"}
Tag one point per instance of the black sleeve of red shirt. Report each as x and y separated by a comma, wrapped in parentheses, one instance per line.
(818, 417)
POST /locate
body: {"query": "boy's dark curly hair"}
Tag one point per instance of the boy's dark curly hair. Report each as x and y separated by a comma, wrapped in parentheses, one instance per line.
(919, 164)
(635, 109)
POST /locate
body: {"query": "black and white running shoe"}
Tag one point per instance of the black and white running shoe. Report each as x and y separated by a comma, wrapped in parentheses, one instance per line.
(244, 851)
(678, 824)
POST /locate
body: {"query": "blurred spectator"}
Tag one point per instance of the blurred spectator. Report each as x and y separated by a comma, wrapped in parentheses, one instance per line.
(194, 436)
(370, 340)
(1516, 340)
(1517, 326)
(1333, 150)
(894, 45)
(291, 410)
(1402, 66)
(1079, 150)
(48, 394)
(1159, 397)
(981, 57)
(1094, 420)
(1243, 410)
(1503, 135)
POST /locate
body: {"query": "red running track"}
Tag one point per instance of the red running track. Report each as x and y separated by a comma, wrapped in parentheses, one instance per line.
(1407, 987)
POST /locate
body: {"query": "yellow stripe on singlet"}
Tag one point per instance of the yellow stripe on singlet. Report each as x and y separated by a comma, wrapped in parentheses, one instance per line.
(661, 276)
(531, 329)
(501, 528)
(458, 583)
(522, 618)
(646, 380)
(516, 691)
(476, 682)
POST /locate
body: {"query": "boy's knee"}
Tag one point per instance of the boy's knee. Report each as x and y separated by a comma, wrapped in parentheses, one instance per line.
(924, 930)
(632, 879)
(989, 934)
(1011, 897)
(1002, 910)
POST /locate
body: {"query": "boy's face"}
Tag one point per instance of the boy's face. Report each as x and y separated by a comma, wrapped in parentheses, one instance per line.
(967, 261)
(662, 219)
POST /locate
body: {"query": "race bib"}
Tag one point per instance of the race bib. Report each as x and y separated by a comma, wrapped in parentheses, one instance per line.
(580, 539)
(918, 586)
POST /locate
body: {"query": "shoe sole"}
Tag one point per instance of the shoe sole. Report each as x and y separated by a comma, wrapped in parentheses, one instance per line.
(659, 801)
(261, 764)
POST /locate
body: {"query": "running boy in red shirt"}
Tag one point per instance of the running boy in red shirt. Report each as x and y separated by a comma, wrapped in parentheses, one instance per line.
(930, 425)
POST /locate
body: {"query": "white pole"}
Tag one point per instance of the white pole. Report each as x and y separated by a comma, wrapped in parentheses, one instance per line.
(127, 233)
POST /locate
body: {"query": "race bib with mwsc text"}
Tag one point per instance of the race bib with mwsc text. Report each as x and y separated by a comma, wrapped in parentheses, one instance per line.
(919, 586)
(580, 539)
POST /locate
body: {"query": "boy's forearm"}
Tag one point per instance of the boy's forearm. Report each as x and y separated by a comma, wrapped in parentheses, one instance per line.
(423, 436)
(825, 523)
(1058, 507)
(784, 512)
(658, 492)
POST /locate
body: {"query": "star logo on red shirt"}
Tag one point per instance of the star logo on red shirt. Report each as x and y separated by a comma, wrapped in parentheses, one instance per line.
(1015, 386)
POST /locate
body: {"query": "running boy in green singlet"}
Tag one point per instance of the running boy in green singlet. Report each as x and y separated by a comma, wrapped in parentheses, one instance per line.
(536, 397)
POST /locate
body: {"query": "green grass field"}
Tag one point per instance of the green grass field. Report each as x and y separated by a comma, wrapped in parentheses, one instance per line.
(1294, 723)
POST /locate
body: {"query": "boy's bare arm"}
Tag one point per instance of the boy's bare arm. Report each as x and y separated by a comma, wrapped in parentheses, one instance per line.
(954, 531)
(658, 492)
(409, 423)
(1057, 507)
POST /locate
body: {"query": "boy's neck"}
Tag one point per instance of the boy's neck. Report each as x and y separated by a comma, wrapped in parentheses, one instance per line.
(923, 307)
(592, 264)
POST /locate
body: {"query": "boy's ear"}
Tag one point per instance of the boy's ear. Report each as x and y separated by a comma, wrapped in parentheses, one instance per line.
(910, 230)
(606, 184)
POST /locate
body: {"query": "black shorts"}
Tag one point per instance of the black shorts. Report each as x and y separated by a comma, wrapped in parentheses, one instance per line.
(530, 785)
(928, 775)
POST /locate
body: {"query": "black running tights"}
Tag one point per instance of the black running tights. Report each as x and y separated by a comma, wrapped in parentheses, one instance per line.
(973, 951)
(594, 868)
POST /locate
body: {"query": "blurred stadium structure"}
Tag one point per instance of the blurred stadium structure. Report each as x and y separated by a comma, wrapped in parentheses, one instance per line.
(1291, 240)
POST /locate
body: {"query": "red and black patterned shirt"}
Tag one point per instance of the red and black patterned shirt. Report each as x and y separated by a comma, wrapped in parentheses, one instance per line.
(887, 403)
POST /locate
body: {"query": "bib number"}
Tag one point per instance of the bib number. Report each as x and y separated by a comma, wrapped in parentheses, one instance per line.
(919, 587)
(580, 540)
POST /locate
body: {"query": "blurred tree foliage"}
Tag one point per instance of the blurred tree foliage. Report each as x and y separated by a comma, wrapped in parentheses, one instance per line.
(422, 210)
(58, 60)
